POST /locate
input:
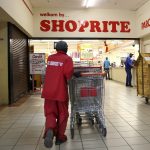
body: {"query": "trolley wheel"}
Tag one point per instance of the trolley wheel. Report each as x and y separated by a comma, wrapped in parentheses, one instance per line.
(72, 133)
(92, 121)
(97, 121)
(100, 124)
(104, 132)
(146, 100)
(79, 121)
(77, 113)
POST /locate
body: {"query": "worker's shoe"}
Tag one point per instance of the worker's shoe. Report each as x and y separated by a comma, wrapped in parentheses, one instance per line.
(48, 140)
(59, 141)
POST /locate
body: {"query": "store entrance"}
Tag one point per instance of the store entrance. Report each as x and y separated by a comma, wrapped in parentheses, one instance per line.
(86, 52)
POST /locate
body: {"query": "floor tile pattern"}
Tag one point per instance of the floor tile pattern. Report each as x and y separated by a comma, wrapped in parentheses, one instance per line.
(126, 114)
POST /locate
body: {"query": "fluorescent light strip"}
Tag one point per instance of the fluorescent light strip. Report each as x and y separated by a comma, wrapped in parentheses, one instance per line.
(88, 3)
(84, 4)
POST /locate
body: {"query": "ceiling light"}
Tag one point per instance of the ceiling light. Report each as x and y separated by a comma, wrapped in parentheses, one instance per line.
(84, 3)
(88, 3)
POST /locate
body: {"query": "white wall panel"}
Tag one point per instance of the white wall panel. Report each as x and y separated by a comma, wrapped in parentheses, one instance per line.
(20, 13)
(85, 14)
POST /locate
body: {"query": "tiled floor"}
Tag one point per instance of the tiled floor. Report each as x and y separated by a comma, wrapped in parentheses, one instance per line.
(127, 120)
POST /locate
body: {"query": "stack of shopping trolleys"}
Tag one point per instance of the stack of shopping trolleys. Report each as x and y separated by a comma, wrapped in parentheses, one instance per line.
(87, 100)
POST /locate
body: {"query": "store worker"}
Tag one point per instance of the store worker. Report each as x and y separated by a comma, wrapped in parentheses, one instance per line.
(106, 68)
(55, 91)
(128, 67)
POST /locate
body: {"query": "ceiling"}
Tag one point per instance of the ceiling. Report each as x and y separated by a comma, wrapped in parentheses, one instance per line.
(99, 4)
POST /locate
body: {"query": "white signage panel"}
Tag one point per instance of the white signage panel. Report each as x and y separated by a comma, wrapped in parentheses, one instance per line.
(37, 63)
(88, 23)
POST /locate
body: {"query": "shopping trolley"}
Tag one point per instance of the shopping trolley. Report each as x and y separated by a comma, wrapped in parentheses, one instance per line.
(88, 69)
(87, 97)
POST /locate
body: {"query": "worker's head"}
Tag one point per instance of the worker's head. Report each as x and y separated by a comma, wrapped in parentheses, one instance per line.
(62, 46)
(131, 54)
(106, 58)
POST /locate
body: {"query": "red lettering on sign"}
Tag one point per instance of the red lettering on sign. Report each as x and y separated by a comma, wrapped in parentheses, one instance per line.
(58, 25)
(124, 26)
(105, 26)
(114, 25)
(71, 26)
(91, 26)
(84, 25)
(45, 25)
(95, 26)
(145, 24)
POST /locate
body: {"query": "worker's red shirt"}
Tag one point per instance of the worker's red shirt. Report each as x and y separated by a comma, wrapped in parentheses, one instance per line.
(59, 70)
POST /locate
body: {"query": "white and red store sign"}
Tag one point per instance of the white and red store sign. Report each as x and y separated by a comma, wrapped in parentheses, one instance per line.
(82, 23)
(83, 26)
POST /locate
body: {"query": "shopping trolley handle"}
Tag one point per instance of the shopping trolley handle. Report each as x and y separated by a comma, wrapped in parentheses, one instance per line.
(77, 74)
(86, 74)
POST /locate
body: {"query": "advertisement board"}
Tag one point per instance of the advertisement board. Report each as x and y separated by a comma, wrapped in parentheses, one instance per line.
(37, 63)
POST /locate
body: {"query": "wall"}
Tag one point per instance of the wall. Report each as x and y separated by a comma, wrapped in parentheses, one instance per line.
(81, 15)
(143, 27)
(143, 16)
(20, 13)
(119, 74)
(146, 44)
(3, 64)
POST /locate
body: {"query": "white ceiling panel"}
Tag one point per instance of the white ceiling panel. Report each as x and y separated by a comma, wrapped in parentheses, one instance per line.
(78, 4)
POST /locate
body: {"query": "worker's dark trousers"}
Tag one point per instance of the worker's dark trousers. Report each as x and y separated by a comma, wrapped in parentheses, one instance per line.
(107, 73)
(128, 77)
(56, 114)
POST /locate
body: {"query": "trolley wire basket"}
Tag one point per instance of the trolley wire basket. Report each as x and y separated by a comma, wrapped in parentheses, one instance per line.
(87, 69)
(87, 96)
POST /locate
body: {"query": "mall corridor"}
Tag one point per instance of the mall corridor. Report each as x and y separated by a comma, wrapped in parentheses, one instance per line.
(127, 120)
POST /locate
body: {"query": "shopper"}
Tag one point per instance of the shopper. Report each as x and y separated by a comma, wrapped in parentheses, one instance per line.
(55, 91)
(128, 67)
(106, 68)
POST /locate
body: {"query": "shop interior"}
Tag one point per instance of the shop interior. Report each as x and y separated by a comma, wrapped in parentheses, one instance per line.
(91, 52)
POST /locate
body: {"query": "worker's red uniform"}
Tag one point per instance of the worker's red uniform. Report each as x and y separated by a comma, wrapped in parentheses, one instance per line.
(55, 91)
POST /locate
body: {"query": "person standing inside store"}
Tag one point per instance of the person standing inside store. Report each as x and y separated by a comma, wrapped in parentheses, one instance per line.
(55, 91)
(128, 67)
(106, 68)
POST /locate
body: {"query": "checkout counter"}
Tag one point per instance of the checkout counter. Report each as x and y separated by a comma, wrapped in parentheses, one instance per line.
(119, 74)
